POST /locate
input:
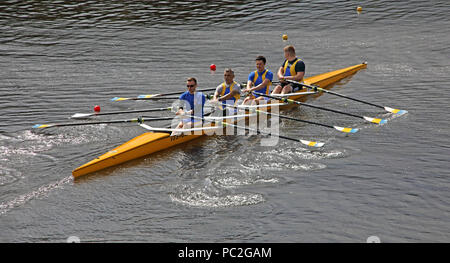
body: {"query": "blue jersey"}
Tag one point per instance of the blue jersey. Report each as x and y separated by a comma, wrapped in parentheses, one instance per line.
(194, 101)
(258, 78)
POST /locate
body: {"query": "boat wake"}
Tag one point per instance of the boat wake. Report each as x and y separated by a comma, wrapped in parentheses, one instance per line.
(219, 187)
(24, 154)
(41, 192)
(71, 137)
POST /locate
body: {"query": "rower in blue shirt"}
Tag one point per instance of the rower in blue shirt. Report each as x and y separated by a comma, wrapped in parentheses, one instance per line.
(194, 103)
(259, 81)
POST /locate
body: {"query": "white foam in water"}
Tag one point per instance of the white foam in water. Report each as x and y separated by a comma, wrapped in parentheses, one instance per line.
(308, 155)
(239, 180)
(202, 199)
(210, 196)
(6, 151)
(56, 139)
(4, 138)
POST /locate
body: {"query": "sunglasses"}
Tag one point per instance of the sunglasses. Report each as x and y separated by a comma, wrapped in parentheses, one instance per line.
(190, 86)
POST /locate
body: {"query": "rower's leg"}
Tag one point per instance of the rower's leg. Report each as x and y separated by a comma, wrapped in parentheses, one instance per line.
(277, 90)
(246, 101)
(287, 89)
(260, 99)
(179, 126)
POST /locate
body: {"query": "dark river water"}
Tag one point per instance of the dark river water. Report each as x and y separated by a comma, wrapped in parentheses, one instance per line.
(58, 58)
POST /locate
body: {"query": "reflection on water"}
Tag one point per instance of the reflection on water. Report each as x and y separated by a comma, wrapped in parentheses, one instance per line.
(210, 14)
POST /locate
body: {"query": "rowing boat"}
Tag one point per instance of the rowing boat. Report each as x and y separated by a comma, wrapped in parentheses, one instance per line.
(151, 142)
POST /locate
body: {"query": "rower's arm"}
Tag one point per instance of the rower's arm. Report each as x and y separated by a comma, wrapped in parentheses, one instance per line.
(280, 73)
(297, 77)
(249, 84)
(229, 95)
(216, 93)
(262, 85)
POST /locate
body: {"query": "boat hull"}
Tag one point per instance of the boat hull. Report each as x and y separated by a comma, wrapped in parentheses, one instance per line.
(151, 142)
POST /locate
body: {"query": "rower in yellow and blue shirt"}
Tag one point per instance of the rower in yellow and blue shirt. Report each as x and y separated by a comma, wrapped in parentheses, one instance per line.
(259, 81)
(292, 68)
(228, 92)
(194, 103)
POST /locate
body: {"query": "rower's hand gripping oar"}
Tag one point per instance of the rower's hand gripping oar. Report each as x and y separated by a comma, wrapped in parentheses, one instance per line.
(373, 120)
(156, 96)
(315, 88)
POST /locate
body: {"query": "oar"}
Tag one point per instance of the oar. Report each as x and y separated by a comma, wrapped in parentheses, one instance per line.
(373, 120)
(87, 115)
(145, 97)
(341, 129)
(154, 96)
(139, 120)
(315, 88)
(258, 131)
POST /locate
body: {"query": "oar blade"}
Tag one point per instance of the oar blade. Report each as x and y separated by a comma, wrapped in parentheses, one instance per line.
(148, 96)
(375, 120)
(396, 111)
(346, 130)
(81, 115)
(312, 144)
(42, 126)
(119, 99)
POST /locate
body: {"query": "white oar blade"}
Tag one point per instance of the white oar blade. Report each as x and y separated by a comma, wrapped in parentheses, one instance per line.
(312, 144)
(81, 115)
(346, 130)
(396, 111)
(375, 120)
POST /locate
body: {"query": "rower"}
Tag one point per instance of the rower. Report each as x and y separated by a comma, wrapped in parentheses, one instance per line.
(228, 92)
(292, 68)
(194, 103)
(259, 81)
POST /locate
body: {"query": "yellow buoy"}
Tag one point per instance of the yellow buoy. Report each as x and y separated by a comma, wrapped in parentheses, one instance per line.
(285, 37)
(359, 9)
